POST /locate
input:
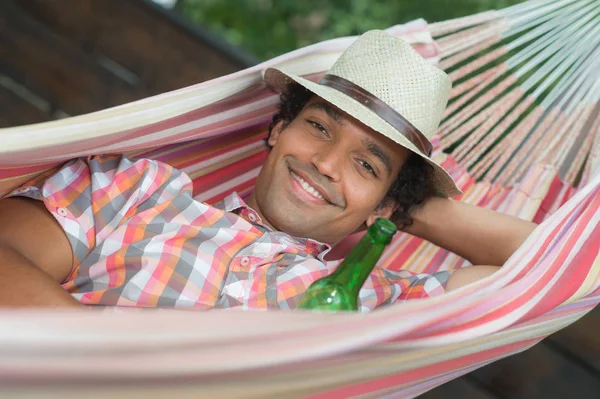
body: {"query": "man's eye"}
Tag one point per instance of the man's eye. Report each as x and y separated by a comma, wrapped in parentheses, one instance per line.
(319, 127)
(368, 168)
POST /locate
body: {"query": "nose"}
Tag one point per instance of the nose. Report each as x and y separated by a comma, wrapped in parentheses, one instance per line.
(329, 161)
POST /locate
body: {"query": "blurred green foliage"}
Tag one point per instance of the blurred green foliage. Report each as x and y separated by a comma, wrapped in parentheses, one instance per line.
(267, 28)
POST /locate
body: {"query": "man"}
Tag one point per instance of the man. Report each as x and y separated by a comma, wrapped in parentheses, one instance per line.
(344, 151)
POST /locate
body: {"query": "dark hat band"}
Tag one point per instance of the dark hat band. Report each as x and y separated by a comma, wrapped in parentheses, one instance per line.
(384, 111)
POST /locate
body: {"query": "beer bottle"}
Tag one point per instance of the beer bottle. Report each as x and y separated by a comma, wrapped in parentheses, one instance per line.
(339, 291)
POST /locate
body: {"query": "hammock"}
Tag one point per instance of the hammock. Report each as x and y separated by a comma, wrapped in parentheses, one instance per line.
(521, 136)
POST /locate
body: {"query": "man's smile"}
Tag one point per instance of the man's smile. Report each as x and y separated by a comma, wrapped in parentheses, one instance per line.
(306, 186)
(307, 190)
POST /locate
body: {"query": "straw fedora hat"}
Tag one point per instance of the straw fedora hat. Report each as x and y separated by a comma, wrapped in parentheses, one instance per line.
(384, 83)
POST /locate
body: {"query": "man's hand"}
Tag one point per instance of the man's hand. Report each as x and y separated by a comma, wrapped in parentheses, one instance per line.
(481, 236)
(35, 256)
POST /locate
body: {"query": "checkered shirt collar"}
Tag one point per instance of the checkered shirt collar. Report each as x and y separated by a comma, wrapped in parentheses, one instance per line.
(235, 204)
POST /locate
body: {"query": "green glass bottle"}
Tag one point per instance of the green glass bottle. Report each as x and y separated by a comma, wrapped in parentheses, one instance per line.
(339, 291)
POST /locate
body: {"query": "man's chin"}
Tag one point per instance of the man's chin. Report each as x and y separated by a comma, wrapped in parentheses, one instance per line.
(296, 217)
(296, 227)
(291, 227)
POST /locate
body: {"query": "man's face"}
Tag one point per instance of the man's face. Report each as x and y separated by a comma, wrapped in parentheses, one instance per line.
(326, 175)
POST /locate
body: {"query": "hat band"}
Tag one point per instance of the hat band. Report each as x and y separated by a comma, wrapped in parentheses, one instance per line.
(384, 111)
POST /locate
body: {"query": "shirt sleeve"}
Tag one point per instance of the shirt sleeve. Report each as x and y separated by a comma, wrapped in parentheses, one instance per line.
(90, 197)
(424, 285)
(386, 286)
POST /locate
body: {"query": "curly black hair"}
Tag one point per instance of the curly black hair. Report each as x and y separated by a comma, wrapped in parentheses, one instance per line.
(414, 183)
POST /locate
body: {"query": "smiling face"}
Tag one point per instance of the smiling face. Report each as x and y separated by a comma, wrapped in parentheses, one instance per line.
(326, 175)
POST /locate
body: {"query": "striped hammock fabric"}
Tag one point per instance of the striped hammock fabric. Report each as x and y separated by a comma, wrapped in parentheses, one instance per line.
(521, 136)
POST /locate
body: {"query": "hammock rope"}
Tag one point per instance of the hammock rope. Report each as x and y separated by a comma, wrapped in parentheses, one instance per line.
(476, 131)
(521, 135)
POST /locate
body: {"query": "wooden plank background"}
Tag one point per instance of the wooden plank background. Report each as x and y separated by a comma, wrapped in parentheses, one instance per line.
(76, 57)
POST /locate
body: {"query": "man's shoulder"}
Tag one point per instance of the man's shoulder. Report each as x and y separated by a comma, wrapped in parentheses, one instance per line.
(148, 175)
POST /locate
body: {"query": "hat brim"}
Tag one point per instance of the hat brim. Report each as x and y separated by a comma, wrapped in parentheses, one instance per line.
(278, 80)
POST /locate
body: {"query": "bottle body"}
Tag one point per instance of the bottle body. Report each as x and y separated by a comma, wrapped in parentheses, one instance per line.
(339, 291)
(328, 295)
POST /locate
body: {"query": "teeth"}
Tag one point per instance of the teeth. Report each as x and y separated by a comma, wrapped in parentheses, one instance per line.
(310, 189)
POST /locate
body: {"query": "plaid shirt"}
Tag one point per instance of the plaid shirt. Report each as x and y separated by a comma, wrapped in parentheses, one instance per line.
(140, 239)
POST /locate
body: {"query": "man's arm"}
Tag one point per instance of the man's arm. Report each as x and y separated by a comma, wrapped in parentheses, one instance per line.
(35, 256)
(481, 236)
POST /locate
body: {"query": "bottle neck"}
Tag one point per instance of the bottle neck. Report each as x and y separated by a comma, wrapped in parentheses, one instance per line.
(359, 263)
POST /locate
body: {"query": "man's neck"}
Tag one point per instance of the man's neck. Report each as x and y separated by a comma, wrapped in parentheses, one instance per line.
(252, 203)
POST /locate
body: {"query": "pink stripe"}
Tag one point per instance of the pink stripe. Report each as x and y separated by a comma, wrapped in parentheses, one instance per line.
(405, 378)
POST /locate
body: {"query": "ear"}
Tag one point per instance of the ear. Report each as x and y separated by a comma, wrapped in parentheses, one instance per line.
(382, 211)
(275, 133)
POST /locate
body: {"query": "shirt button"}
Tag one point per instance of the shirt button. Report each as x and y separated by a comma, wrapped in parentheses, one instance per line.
(245, 261)
(252, 217)
(62, 212)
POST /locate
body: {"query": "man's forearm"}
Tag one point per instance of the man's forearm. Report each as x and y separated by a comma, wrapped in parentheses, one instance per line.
(23, 284)
(482, 236)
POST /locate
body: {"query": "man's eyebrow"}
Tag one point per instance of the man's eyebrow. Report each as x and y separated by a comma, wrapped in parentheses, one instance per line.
(328, 109)
(377, 151)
